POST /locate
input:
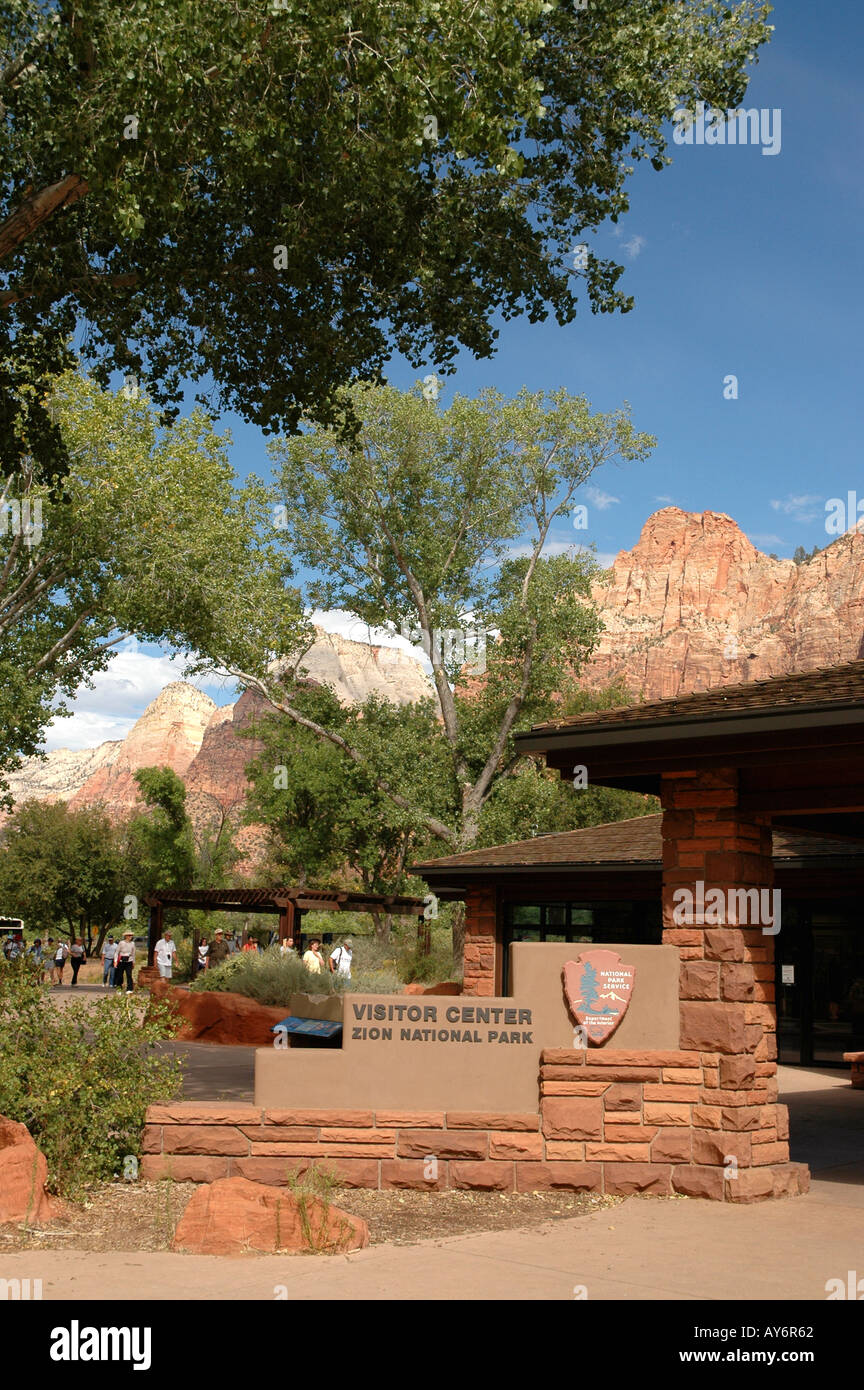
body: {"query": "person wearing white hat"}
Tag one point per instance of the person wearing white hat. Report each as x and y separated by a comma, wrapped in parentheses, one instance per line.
(125, 961)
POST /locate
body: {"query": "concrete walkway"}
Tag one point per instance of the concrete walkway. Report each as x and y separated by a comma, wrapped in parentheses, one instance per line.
(646, 1249)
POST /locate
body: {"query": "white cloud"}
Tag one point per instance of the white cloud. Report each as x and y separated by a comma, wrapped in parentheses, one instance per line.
(120, 695)
(604, 558)
(760, 538)
(348, 625)
(602, 500)
(670, 501)
(634, 246)
(803, 507)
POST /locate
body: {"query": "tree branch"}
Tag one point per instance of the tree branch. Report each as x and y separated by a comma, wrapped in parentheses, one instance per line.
(431, 822)
(37, 208)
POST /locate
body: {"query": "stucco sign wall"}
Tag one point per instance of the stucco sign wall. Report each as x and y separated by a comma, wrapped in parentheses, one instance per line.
(460, 1052)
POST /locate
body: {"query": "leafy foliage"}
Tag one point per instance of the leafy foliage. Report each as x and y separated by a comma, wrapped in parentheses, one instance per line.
(150, 537)
(416, 523)
(216, 189)
(161, 840)
(61, 869)
(80, 1078)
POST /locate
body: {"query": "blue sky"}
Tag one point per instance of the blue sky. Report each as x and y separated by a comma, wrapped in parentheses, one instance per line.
(741, 263)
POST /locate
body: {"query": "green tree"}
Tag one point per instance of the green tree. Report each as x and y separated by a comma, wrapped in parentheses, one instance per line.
(326, 817)
(161, 839)
(437, 521)
(277, 195)
(536, 801)
(61, 869)
(150, 537)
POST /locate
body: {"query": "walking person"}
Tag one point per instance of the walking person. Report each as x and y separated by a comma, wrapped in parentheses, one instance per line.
(109, 955)
(61, 955)
(286, 947)
(77, 957)
(35, 952)
(48, 961)
(125, 961)
(166, 950)
(201, 957)
(340, 960)
(219, 951)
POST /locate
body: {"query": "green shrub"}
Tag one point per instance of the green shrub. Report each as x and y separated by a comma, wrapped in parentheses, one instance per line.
(268, 976)
(81, 1077)
(432, 969)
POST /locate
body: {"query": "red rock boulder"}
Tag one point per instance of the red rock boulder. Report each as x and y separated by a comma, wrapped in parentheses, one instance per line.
(214, 1017)
(234, 1216)
(23, 1173)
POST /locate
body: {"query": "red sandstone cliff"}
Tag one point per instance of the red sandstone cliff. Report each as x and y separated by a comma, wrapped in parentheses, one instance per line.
(694, 604)
(168, 734)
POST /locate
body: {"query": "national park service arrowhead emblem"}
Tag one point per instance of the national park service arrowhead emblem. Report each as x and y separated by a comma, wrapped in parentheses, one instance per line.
(598, 986)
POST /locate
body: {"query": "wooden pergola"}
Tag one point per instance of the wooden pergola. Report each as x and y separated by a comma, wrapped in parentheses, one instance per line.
(288, 903)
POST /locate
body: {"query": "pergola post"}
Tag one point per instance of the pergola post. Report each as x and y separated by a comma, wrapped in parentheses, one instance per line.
(287, 915)
(154, 930)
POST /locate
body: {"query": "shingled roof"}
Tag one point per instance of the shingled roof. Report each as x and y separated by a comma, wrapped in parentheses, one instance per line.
(839, 687)
(636, 841)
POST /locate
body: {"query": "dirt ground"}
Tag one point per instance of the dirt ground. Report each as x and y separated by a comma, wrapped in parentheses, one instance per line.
(143, 1216)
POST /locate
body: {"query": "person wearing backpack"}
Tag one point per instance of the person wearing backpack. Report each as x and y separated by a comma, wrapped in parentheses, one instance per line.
(340, 960)
(61, 955)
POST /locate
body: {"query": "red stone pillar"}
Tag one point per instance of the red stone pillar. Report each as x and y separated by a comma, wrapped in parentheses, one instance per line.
(726, 980)
(481, 948)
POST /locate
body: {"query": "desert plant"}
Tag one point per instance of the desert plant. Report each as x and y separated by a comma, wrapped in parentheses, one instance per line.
(269, 977)
(312, 1191)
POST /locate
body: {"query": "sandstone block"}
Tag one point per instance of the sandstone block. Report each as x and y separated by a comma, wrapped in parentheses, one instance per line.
(713, 1027)
(672, 1146)
(622, 1179)
(412, 1173)
(623, 1096)
(550, 1176)
(692, 1181)
(442, 1143)
(204, 1139)
(572, 1118)
(233, 1216)
(485, 1177)
(409, 1119)
(517, 1145)
(493, 1119)
(177, 1168)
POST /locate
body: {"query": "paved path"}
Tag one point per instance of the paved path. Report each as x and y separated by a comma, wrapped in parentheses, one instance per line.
(646, 1249)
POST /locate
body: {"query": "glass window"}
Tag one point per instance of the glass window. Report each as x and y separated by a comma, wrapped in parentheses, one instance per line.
(524, 915)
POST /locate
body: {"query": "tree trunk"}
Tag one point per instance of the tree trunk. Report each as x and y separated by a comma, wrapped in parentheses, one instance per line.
(458, 929)
(382, 922)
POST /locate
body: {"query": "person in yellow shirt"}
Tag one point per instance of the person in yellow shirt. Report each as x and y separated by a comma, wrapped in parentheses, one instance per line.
(313, 959)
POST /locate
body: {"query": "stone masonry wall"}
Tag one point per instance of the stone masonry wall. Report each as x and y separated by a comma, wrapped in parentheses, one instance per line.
(480, 946)
(614, 1122)
(727, 971)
